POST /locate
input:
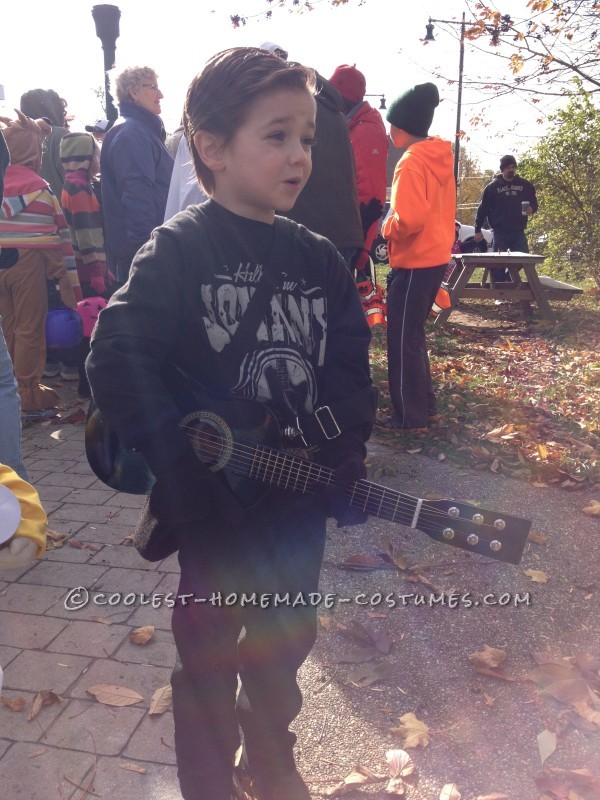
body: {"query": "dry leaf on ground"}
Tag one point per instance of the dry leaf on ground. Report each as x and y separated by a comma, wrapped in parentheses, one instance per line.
(161, 700)
(18, 704)
(142, 635)
(43, 698)
(537, 575)
(546, 741)
(415, 731)
(400, 763)
(488, 657)
(450, 792)
(593, 510)
(369, 674)
(110, 694)
(360, 776)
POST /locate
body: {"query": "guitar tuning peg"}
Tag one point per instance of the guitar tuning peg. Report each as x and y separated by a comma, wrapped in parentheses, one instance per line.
(478, 519)
(448, 533)
(472, 539)
(499, 524)
(495, 545)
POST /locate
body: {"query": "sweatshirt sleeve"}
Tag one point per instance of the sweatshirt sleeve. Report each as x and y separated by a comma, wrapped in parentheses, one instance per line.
(483, 210)
(131, 342)
(346, 369)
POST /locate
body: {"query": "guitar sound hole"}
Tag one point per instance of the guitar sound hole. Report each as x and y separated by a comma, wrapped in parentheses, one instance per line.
(207, 443)
(210, 437)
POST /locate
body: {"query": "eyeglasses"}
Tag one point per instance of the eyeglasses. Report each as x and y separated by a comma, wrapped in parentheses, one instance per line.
(152, 86)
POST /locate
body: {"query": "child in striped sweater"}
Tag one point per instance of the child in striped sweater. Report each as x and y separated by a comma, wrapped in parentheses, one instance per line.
(32, 221)
(80, 156)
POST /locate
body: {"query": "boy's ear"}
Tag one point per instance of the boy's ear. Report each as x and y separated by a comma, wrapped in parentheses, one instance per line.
(210, 148)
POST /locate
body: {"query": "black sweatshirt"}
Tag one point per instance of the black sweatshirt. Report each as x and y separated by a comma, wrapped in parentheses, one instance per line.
(188, 289)
(501, 204)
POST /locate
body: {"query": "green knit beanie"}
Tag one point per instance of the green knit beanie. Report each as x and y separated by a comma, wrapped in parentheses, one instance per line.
(413, 110)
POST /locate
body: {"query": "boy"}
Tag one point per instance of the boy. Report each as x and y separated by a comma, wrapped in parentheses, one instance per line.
(80, 157)
(250, 122)
(419, 232)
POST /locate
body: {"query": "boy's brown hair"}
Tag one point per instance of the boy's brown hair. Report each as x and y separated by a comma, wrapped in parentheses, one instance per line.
(219, 97)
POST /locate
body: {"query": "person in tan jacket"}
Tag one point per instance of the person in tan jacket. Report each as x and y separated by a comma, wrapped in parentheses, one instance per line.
(420, 233)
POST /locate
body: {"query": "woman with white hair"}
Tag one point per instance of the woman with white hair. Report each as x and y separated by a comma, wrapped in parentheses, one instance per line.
(136, 169)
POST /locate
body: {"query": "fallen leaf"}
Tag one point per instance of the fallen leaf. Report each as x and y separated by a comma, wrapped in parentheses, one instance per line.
(134, 768)
(369, 674)
(76, 418)
(538, 537)
(546, 741)
(394, 555)
(325, 622)
(400, 764)
(488, 657)
(161, 700)
(142, 635)
(450, 792)
(43, 698)
(360, 776)
(489, 700)
(593, 510)
(366, 634)
(414, 731)
(76, 544)
(15, 705)
(102, 620)
(55, 536)
(562, 781)
(537, 575)
(110, 694)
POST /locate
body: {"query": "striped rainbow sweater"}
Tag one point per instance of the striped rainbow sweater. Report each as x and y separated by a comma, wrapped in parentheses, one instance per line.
(31, 218)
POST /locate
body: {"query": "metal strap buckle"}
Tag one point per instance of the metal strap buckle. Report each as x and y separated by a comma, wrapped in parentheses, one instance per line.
(330, 420)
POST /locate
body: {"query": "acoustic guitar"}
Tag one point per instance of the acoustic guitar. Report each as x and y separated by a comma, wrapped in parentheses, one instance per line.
(243, 440)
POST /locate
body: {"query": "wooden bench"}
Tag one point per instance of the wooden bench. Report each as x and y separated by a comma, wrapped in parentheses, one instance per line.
(558, 290)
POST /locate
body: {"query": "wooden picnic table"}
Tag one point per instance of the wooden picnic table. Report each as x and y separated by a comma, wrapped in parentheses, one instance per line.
(524, 286)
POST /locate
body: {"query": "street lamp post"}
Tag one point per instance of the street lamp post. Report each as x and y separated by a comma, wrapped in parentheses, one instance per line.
(461, 61)
(494, 31)
(106, 18)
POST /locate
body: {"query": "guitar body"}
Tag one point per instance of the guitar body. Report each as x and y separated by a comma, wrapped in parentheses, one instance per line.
(241, 439)
(237, 421)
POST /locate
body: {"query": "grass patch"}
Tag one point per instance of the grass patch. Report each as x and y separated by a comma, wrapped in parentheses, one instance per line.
(517, 397)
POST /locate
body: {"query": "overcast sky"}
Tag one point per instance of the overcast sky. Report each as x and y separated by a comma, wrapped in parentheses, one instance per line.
(53, 45)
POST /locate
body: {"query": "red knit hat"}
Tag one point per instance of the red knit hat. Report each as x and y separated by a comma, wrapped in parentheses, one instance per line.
(349, 82)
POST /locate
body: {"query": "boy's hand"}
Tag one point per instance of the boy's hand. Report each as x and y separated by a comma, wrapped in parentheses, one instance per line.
(190, 492)
(333, 499)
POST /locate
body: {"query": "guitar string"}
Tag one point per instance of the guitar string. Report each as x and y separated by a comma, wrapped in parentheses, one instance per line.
(304, 468)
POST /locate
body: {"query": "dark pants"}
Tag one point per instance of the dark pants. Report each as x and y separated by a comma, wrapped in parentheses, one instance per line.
(278, 549)
(410, 296)
(514, 240)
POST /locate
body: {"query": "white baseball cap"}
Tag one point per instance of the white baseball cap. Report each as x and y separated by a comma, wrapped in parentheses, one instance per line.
(276, 49)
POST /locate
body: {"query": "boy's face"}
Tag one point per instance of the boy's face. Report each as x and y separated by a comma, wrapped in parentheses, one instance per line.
(267, 163)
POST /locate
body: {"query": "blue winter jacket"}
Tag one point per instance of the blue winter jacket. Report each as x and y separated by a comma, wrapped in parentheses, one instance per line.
(135, 169)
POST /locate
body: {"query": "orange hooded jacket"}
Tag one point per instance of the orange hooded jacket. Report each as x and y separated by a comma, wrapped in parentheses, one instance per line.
(420, 229)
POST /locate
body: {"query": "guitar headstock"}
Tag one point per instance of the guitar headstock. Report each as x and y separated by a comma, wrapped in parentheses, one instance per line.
(489, 533)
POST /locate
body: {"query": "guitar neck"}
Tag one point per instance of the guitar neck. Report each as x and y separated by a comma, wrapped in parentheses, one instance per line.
(468, 527)
(296, 474)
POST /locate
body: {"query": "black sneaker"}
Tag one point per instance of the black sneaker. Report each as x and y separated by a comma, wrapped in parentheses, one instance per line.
(283, 787)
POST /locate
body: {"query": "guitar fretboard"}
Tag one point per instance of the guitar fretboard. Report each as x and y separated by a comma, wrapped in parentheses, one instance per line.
(298, 475)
